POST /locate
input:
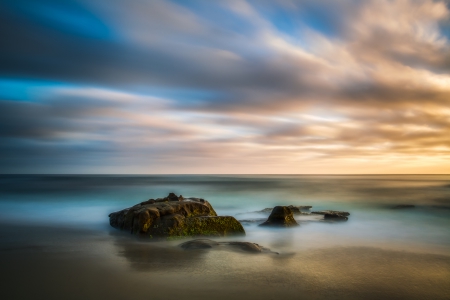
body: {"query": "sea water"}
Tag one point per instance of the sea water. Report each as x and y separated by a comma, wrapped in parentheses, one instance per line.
(49, 216)
(86, 200)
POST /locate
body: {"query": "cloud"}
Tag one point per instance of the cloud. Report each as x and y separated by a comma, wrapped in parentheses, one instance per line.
(170, 86)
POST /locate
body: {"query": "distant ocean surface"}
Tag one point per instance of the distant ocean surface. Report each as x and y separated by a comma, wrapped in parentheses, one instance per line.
(81, 203)
(86, 201)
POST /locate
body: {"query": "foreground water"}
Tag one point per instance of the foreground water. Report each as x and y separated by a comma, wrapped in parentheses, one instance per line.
(55, 236)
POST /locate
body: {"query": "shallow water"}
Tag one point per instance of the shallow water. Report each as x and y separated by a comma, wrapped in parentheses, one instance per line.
(55, 233)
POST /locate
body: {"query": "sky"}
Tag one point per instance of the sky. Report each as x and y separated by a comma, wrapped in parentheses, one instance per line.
(225, 87)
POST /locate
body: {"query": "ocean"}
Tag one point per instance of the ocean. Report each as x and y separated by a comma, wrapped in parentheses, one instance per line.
(56, 240)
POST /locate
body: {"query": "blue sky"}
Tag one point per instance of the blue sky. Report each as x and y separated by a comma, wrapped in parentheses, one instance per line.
(278, 86)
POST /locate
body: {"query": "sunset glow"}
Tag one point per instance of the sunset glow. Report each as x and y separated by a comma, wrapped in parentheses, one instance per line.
(253, 87)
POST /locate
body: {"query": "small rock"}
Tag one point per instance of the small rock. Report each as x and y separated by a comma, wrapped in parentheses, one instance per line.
(281, 216)
(199, 244)
(333, 215)
(294, 209)
(173, 197)
(324, 212)
(207, 244)
(246, 246)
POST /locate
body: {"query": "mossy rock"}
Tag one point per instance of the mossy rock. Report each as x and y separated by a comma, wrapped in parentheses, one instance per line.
(174, 216)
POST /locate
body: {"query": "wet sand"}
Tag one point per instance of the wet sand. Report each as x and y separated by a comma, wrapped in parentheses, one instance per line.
(39, 262)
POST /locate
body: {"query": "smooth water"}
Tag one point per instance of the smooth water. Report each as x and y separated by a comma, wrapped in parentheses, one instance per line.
(86, 201)
(60, 223)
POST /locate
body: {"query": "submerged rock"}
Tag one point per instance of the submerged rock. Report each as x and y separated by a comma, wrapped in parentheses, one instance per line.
(199, 244)
(281, 216)
(324, 212)
(207, 244)
(249, 247)
(402, 206)
(174, 216)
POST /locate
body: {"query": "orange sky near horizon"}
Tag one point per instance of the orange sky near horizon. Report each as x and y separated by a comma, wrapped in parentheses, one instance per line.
(236, 87)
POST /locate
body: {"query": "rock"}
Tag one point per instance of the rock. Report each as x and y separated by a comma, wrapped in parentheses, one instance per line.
(281, 216)
(249, 247)
(210, 226)
(333, 214)
(174, 216)
(294, 209)
(298, 209)
(149, 201)
(199, 244)
(324, 212)
(402, 206)
(208, 244)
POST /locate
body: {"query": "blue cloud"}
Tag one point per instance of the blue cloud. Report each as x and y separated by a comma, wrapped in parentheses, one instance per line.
(66, 16)
(75, 73)
(25, 89)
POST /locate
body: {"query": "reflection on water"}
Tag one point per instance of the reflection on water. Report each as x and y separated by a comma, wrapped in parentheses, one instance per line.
(351, 272)
(150, 256)
(56, 263)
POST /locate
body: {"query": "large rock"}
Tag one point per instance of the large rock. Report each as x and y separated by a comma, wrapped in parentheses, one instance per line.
(174, 216)
(281, 216)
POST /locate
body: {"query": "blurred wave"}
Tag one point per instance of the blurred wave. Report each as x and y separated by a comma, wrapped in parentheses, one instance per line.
(86, 201)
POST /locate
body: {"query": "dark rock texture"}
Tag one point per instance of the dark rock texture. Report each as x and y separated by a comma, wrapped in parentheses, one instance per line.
(248, 247)
(281, 216)
(174, 216)
(324, 212)
(333, 214)
(207, 244)
(294, 209)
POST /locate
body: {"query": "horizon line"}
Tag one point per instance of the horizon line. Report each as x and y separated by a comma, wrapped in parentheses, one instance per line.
(216, 174)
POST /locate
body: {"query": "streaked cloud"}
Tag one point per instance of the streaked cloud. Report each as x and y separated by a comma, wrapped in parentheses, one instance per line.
(235, 86)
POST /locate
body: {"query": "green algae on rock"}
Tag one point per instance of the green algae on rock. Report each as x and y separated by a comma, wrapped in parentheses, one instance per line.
(174, 216)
